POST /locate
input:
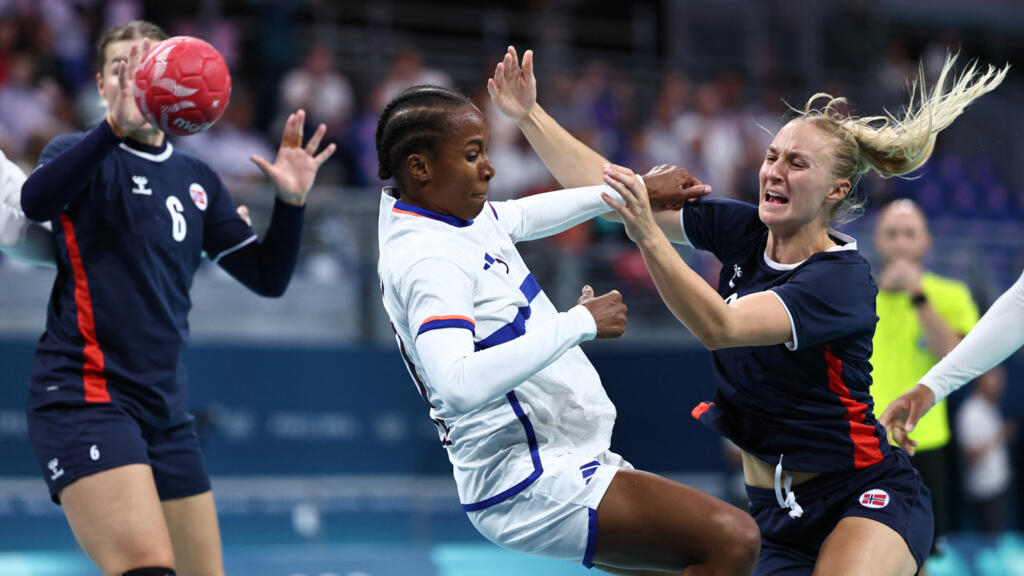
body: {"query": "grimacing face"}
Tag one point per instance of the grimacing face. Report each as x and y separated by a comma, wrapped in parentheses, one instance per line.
(902, 232)
(460, 172)
(797, 187)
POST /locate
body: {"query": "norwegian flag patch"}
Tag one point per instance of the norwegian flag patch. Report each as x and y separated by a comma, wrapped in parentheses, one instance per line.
(874, 499)
(198, 195)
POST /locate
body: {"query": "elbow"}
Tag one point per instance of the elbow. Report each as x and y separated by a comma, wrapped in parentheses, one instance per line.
(33, 210)
(270, 289)
(714, 337)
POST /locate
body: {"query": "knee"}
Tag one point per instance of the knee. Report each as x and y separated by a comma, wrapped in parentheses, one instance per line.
(742, 540)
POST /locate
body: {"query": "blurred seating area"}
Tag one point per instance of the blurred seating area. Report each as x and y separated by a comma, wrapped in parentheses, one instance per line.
(701, 84)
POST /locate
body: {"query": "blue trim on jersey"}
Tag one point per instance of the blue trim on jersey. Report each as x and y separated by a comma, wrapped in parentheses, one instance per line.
(538, 469)
(446, 323)
(588, 556)
(530, 288)
(493, 211)
(452, 220)
(517, 327)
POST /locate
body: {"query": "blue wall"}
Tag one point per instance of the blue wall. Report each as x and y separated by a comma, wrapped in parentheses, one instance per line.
(355, 410)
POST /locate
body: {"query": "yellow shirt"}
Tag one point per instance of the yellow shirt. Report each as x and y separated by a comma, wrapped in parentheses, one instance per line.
(901, 353)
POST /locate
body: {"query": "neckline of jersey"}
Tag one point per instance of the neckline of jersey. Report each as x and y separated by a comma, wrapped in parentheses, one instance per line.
(147, 152)
(848, 243)
(418, 211)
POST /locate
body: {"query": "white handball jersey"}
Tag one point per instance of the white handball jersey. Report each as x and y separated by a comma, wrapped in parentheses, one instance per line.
(437, 271)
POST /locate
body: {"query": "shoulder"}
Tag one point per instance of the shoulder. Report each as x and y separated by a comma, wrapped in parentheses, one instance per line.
(839, 271)
(408, 245)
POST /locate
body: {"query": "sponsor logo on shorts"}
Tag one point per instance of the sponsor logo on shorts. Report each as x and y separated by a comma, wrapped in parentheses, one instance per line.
(55, 470)
(588, 469)
(876, 498)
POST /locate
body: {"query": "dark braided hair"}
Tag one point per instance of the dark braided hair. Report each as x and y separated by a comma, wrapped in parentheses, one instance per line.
(415, 121)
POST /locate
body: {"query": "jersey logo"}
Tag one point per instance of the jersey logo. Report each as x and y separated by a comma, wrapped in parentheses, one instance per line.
(198, 194)
(737, 272)
(588, 470)
(140, 186)
(491, 260)
(55, 470)
(876, 498)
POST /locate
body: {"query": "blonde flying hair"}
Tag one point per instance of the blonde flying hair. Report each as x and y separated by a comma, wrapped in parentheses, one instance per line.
(889, 145)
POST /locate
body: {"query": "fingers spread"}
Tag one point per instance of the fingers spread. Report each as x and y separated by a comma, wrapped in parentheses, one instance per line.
(326, 154)
(314, 141)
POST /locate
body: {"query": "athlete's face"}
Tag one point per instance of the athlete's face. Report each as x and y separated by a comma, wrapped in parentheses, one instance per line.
(461, 172)
(902, 233)
(796, 181)
(107, 81)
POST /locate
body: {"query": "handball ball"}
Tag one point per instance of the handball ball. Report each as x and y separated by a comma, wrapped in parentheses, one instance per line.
(182, 86)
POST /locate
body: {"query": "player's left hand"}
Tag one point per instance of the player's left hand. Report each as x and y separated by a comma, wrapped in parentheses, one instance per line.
(669, 187)
(635, 208)
(903, 413)
(295, 168)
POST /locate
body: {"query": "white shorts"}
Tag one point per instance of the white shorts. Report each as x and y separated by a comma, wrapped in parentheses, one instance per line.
(556, 516)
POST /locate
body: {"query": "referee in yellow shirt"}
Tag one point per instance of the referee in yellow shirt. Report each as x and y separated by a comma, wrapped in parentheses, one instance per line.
(921, 317)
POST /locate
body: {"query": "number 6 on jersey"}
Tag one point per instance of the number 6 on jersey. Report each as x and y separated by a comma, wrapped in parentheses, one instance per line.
(178, 225)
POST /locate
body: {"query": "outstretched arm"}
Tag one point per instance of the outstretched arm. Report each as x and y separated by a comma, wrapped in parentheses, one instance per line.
(513, 89)
(266, 266)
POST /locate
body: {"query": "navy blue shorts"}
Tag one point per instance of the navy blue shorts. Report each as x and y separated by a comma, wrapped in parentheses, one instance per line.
(890, 492)
(71, 442)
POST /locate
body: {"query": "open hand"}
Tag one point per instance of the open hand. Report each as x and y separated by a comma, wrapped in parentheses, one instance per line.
(902, 415)
(513, 89)
(635, 208)
(122, 113)
(295, 168)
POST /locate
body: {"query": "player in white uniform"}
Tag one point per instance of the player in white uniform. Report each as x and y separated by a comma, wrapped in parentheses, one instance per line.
(20, 237)
(519, 408)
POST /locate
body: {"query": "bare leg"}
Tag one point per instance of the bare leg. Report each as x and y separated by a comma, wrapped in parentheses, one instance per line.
(195, 535)
(844, 551)
(117, 519)
(649, 523)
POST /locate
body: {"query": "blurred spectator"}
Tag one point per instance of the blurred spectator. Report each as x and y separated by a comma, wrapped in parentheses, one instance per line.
(233, 139)
(26, 110)
(709, 134)
(320, 89)
(660, 140)
(984, 437)
(407, 70)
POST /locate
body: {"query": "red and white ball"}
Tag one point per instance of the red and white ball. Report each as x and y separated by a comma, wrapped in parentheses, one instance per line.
(182, 86)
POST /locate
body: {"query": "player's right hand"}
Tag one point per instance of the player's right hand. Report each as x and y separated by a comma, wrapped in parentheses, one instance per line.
(608, 311)
(669, 187)
(903, 413)
(513, 89)
(124, 116)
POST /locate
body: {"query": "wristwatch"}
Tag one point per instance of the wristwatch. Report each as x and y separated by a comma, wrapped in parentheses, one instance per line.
(918, 299)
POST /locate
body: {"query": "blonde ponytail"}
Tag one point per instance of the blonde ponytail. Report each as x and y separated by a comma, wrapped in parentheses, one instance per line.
(893, 146)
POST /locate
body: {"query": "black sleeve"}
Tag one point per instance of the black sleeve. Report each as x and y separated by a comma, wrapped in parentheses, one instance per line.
(64, 170)
(266, 266)
(721, 226)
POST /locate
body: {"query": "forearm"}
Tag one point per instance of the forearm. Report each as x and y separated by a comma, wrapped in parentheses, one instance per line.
(56, 183)
(940, 337)
(266, 267)
(570, 161)
(692, 300)
(546, 214)
(24, 239)
(999, 332)
(466, 380)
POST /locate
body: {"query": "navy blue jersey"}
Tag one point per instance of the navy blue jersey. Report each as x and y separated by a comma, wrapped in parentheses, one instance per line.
(129, 241)
(806, 400)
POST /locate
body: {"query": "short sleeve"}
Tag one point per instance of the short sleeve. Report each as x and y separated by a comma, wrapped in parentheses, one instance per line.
(829, 299)
(960, 311)
(224, 231)
(721, 226)
(439, 295)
